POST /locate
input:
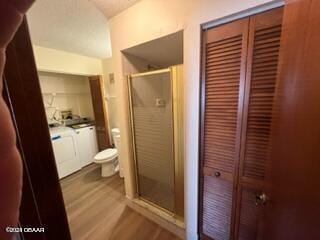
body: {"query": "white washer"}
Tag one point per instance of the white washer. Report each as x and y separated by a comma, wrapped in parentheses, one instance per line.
(65, 150)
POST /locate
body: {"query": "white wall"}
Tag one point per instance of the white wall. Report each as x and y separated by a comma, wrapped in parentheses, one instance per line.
(52, 60)
(151, 19)
(111, 94)
(67, 92)
(65, 65)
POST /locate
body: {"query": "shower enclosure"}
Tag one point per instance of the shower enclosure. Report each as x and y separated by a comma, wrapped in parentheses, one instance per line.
(154, 121)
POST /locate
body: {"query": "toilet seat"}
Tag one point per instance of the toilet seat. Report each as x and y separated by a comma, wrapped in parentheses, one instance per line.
(106, 155)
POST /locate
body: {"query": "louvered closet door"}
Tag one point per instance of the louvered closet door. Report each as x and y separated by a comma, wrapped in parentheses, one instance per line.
(263, 51)
(225, 51)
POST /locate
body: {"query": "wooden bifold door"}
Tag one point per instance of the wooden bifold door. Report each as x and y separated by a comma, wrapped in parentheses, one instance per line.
(239, 76)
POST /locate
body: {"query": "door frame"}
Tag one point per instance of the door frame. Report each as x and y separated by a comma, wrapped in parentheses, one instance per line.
(133, 140)
(204, 27)
(243, 14)
(42, 202)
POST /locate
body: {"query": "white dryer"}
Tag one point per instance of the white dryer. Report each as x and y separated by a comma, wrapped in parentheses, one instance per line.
(65, 150)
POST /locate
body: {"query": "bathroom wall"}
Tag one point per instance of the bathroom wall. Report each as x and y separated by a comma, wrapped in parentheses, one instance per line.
(52, 60)
(110, 92)
(151, 19)
(63, 66)
(64, 92)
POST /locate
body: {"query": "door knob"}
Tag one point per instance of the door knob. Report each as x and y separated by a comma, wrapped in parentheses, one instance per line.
(261, 199)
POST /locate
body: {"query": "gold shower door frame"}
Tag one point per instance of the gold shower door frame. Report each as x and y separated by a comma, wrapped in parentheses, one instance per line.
(177, 138)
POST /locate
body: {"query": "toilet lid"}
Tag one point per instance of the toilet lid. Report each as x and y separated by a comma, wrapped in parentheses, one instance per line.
(109, 153)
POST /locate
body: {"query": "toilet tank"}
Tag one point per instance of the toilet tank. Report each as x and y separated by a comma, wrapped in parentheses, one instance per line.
(115, 132)
(117, 145)
(116, 140)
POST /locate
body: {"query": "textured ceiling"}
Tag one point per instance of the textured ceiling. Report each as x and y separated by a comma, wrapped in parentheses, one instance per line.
(110, 8)
(77, 26)
(71, 25)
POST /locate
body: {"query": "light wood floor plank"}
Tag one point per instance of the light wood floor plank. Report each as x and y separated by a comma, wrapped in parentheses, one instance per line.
(96, 209)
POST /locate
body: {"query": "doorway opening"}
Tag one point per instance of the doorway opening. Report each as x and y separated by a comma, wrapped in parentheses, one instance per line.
(155, 124)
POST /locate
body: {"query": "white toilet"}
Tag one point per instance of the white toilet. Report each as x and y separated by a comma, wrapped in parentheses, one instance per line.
(108, 158)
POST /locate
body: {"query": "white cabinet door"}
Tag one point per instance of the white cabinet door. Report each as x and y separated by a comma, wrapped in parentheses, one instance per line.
(87, 144)
(83, 146)
(93, 142)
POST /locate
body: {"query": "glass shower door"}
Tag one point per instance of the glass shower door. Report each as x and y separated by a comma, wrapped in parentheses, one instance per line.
(152, 125)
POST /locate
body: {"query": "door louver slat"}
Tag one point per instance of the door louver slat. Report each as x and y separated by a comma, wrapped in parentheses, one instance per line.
(264, 47)
(224, 110)
(249, 215)
(217, 204)
(260, 108)
(224, 65)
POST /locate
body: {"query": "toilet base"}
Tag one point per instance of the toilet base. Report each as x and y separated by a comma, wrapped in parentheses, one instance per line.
(109, 169)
